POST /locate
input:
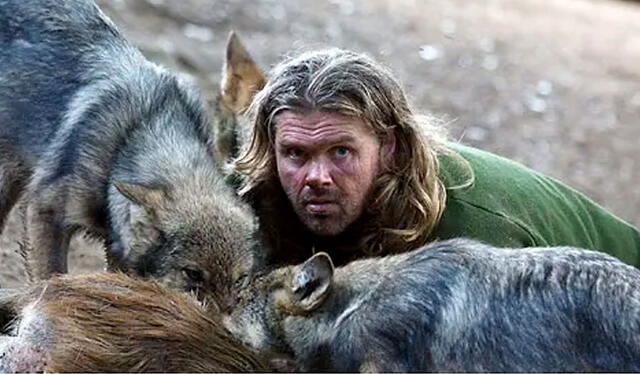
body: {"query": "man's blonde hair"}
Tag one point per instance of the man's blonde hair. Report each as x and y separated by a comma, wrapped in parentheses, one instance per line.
(408, 195)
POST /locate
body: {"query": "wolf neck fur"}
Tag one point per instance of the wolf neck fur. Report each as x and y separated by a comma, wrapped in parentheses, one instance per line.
(168, 136)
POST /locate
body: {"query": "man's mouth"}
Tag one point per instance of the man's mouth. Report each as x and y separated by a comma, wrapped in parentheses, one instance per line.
(320, 206)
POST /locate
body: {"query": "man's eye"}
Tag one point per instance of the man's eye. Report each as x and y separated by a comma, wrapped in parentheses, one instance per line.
(342, 151)
(295, 153)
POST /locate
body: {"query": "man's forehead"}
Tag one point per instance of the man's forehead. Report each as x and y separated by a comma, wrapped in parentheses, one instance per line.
(319, 124)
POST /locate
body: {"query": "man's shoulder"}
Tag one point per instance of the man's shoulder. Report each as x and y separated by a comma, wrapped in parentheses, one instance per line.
(508, 193)
(496, 179)
(456, 164)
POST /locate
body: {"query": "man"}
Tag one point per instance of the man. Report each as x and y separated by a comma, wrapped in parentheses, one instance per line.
(339, 162)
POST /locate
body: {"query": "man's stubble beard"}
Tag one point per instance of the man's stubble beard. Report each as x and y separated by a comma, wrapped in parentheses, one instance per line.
(333, 224)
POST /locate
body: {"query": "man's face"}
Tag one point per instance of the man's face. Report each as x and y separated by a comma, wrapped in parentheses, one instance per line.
(327, 163)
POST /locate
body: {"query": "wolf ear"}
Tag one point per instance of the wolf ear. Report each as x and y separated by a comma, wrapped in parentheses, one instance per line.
(143, 217)
(311, 282)
(151, 199)
(241, 76)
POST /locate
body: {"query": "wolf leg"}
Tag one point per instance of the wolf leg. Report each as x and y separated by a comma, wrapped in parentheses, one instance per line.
(13, 178)
(48, 236)
(7, 313)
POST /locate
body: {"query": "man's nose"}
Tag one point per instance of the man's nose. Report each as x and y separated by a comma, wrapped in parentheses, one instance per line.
(318, 175)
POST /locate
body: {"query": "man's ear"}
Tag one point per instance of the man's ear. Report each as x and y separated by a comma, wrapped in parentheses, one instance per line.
(241, 76)
(311, 282)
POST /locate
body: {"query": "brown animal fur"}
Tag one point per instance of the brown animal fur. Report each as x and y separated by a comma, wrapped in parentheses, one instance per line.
(111, 322)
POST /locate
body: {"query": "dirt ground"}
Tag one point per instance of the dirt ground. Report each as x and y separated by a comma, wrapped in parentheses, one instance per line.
(553, 84)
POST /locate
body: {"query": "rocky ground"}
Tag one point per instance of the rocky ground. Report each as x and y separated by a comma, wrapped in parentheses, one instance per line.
(553, 84)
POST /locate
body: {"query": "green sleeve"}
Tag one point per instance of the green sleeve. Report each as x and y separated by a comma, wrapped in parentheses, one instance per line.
(465, 219)
(511, 205)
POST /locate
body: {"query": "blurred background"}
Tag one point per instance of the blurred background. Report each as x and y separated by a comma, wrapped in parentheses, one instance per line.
(552, 84)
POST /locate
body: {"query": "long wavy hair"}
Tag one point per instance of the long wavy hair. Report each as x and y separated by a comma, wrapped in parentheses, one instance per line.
(408, 195)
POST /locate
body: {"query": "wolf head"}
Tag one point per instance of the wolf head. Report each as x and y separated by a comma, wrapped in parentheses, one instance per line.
(196, 234)
(190, 240)
(263, 305)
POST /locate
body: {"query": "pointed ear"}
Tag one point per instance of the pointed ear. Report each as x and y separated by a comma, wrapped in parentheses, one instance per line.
(143, 231)
(241, 76)
(311, 282)
(151, 199)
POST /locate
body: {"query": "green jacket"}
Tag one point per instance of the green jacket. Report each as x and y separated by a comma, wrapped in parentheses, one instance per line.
(510, 205)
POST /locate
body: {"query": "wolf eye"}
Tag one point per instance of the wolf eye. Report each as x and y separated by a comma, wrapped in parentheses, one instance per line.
(194, 276)
(238, 283)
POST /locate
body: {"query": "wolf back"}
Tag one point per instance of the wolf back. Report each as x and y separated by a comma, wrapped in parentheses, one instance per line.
(453, 306)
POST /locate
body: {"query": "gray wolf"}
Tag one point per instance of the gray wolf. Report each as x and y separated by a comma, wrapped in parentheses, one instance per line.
(451, 306)
(98, 139)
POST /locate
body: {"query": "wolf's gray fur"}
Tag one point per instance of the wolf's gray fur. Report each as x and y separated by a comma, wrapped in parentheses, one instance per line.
(453, 306)
(104, 141)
